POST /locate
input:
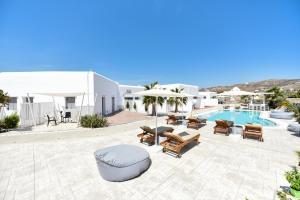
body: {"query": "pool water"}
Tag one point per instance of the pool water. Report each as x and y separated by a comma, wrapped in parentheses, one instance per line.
(239, 117)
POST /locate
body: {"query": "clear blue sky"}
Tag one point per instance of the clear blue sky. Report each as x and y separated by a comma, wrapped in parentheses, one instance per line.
(198, 42)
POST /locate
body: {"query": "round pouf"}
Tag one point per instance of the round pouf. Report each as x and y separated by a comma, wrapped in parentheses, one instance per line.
(294, 127)
(122, 162)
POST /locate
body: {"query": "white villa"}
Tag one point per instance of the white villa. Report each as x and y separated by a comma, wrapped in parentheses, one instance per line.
(81, 93)
(208, 99)
(68, 91)
(195, 101)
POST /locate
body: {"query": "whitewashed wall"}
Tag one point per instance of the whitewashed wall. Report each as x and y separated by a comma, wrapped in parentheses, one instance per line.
(19, 84)
(104, 87)
(128, 91)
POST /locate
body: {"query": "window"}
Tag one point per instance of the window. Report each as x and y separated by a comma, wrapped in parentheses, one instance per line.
(25, 99)
(137, 98)
(70, 102)
(12, 105)
(128, 98)
(128, 91)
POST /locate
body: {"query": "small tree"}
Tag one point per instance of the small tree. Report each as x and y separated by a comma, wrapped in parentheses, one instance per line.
(127, 105)
(177, 101)
(150, 100)
(275, 99)
(4, 99)
(134, 106)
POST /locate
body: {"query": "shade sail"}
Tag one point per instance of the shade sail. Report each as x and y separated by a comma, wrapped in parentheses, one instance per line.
(236, 92)
(62, 94)
(160, 93)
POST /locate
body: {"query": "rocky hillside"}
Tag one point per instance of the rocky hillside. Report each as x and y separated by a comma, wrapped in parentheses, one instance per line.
(285, 84)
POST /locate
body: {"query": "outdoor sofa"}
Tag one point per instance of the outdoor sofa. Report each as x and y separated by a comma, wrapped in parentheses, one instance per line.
(195, 123)
(255, 131)
(223, 126)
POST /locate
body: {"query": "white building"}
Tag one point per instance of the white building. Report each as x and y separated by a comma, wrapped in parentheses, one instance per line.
(208, 99)
(81, 93)
(127, 92)
(69, 90)
(191, 90)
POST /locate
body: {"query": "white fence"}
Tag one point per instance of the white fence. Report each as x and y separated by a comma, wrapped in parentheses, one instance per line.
(39, 111)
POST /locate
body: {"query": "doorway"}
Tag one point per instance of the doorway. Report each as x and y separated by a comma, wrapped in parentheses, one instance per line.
(103, 106)
(113, 104)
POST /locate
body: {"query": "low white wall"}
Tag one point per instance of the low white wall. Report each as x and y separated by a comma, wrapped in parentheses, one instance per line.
(209, 102)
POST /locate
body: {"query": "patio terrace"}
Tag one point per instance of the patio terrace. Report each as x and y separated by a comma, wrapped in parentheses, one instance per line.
(61, 165)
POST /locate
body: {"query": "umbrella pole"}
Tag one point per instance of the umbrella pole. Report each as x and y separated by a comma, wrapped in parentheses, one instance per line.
(157, 139)
(182, 110)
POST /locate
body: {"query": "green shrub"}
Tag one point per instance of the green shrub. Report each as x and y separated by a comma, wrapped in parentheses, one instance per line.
(293, 177)
(134, 106)
(11, 121)
(93, 121)
(2, 125)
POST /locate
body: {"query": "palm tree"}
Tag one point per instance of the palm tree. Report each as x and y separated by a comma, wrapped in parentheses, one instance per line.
(4, 99)
(275, 99)
(149, 100)
(177, 101)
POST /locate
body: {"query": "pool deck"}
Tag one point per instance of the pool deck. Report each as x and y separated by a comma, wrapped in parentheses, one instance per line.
(61, 165)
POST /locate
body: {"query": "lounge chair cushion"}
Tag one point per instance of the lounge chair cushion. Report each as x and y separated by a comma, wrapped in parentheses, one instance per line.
(147, 129)
(160, 129)
(175, 136)
(189, 136)
(122, 162)
(181, 137)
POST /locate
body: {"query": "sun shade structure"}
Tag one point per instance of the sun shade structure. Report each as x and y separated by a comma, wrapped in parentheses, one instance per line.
(63, 94)
(159, 93)
(237, 92)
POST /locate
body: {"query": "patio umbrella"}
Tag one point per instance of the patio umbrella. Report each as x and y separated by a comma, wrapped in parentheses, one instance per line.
(158, 93)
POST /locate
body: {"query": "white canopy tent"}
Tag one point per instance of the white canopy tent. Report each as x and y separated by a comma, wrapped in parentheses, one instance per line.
(236, 92)
(158, 93)
(61, 94)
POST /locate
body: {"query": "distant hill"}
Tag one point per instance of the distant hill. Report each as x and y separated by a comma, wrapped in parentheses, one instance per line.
(285, 84)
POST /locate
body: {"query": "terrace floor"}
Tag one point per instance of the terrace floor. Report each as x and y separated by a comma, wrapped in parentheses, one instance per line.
(61, 165)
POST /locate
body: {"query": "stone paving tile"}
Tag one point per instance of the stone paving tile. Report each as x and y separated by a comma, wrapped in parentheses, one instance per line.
(220, 167)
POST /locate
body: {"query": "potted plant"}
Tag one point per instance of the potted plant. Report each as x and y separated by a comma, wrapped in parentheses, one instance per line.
(293, 177)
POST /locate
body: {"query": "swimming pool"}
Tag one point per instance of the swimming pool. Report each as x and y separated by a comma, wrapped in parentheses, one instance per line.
(239, 117)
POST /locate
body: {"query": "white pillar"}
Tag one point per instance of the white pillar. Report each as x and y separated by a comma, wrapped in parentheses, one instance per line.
(31, 110)
(156, 136)
(79, 115)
